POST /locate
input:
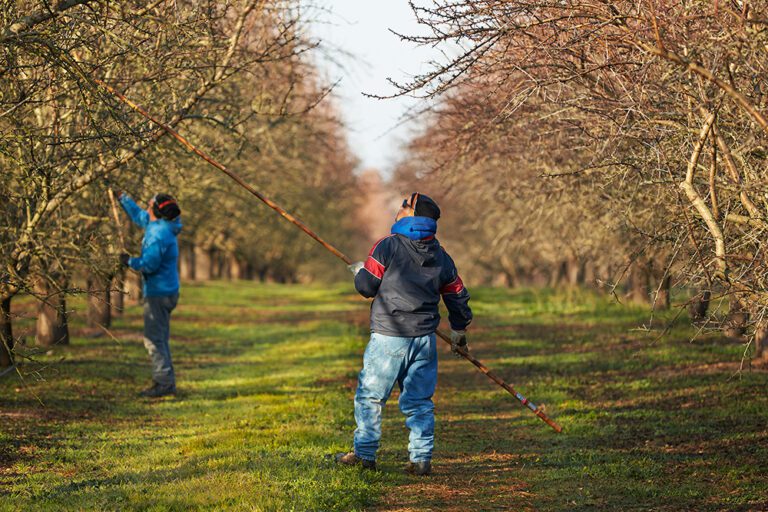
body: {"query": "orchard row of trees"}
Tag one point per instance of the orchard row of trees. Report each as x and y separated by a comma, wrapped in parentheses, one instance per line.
(614, 143)
(235, 77)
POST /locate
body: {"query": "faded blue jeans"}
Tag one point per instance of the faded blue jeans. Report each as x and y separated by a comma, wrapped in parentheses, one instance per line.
(412, 364)
(157, 333)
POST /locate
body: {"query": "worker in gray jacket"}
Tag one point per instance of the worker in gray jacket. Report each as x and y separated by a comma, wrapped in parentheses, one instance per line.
(406, 273)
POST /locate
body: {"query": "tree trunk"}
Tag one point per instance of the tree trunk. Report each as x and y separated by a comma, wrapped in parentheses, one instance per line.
(604, 273)
(589, 278)
(51, 327)
(99, 309)
(761, 341)
(6, 333)
(575, 272)
(697, 309)
(663, 294)
(512, 281)
(558, 274)
(509, 269)
(500, 279)
(133, 286)
(117, 300)
(225, 269)
(248, 271)
(215, 264)
(538, 278)
(736, 323)
(236, 268)
(639, 283)
(222, 265)
(202, 259)
(187, 262)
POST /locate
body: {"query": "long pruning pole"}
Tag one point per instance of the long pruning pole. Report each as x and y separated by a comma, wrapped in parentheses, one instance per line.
(116, 218)
(237, 179)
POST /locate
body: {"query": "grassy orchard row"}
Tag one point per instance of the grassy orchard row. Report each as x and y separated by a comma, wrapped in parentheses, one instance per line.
(266, 379)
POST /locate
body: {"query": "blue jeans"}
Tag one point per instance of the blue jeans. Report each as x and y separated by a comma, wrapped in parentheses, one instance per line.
(157, 333)
(412, 364)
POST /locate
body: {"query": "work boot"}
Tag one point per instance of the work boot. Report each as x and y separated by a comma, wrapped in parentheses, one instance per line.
(422, 468)
(350, 459)
(157, 391)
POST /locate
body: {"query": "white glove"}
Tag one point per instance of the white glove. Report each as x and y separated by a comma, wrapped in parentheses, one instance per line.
(356, 267)
(458, 340)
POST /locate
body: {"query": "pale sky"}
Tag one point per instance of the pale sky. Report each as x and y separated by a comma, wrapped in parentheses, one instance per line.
(361, 28)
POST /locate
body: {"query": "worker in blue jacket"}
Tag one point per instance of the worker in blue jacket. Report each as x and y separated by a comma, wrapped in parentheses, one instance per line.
(406, 273)
(158, 264)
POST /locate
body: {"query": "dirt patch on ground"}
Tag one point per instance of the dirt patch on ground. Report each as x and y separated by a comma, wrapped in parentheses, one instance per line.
(463, 483)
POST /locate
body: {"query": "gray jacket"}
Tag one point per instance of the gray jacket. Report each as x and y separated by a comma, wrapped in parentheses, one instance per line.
(407, 278)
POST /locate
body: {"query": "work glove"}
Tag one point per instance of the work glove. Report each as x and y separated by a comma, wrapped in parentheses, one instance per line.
(458, 339)
(124, 257)
(356, 267)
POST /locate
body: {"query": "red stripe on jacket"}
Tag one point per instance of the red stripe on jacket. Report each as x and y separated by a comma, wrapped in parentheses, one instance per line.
(372, 265)
(454, 286)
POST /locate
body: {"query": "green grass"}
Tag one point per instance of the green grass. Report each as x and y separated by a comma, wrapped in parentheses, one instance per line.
(266, 378)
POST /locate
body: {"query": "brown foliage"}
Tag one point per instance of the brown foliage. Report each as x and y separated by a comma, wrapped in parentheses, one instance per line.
(615, 133)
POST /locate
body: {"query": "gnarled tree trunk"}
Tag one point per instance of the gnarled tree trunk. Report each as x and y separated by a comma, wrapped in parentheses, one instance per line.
(51, 327)
(99, 308)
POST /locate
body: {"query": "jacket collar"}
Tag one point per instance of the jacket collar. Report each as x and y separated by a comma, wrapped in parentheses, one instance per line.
(415, 228)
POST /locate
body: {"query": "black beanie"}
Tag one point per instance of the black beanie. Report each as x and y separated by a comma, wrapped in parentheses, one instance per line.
(165, 207)
(426, 207)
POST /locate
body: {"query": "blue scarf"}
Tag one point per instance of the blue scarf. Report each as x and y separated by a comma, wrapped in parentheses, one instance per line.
(415, 228)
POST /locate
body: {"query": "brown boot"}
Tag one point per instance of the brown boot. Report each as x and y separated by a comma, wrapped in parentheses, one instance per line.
(419, 468)
(350, 459)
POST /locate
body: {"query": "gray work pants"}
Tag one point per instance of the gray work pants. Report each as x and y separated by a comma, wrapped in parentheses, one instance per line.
(157, 332)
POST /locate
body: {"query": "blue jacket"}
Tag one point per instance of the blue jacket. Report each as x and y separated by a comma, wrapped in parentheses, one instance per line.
(158, 262)
(406, 273)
